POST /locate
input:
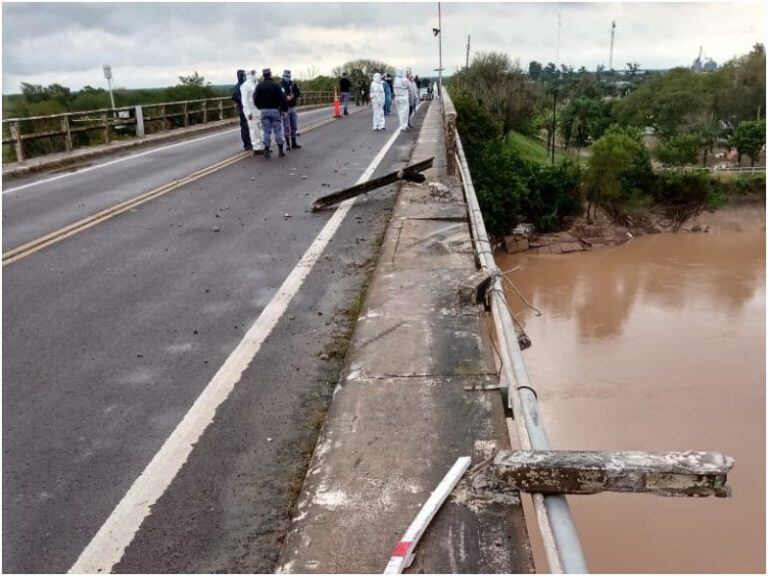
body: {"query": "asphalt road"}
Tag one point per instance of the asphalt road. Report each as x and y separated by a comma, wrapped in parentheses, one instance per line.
(42, 203)
(110, 335)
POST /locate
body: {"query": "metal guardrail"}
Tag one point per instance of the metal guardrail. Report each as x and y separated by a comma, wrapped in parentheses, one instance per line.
(714, 169)
(558, 531)
(737, 169)
(61, 132)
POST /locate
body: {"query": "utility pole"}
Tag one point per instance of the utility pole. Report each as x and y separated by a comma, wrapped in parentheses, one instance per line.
(613, 34)
(469, 38)
(554, 120)
(440, 51)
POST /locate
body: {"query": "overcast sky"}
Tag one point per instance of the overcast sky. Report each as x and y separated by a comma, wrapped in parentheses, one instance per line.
(150, 44)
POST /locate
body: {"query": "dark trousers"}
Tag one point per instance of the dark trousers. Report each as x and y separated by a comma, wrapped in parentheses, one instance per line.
(290, 123)
(245, 134)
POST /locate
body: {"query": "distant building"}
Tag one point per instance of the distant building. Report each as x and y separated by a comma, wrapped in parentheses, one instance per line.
(703, 63)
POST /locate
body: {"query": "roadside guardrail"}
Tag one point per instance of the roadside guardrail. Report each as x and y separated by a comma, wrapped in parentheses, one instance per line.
(40, 135)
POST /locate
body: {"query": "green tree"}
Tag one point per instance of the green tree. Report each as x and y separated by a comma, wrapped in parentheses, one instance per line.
(34, 93)
(671, 103)
(90, 98)
(748, 138)
(501, 87)
(501, 188)
(738, 88)
(679, 150)
(584, 119)
(320, 84)
(708, 131)
(360, 73)
(478, 128)
(553, 194)
(619, 172)
(192, 87)
(534, 70)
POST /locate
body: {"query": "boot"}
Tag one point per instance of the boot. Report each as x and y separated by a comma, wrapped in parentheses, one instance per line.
(267, 153)
(288, 143)
(294, 143)
(281, 152)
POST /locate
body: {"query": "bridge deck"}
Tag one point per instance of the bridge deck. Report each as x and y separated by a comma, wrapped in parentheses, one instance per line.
(401, 416)
(110, 335)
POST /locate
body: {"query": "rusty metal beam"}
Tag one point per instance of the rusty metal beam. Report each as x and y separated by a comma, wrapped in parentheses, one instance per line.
(410, 173)
(586, 472)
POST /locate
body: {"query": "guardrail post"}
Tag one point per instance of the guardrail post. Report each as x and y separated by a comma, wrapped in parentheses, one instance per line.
(205, 111)
(165, 118)
(221, 109)
(139, 113)
(185, 109)
(17, 145)
(105, 123)
(67, 133)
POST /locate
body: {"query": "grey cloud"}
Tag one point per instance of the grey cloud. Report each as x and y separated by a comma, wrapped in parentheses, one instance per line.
(149, 44)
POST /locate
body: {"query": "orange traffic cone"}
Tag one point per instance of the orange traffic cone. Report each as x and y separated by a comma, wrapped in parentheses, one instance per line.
(336, 105)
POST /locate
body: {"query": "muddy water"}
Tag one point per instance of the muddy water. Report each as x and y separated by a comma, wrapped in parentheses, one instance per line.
(658, 344)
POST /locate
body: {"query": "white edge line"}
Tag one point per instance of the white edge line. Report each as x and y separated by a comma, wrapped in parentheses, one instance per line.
(126, 158)
(109, 544)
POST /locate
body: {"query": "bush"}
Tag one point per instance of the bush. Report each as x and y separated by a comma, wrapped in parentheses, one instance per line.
(553, 195)
(475, 124)
(509, 187)
(678, 188)
(501, 188)
(679, 150)
(619, 176)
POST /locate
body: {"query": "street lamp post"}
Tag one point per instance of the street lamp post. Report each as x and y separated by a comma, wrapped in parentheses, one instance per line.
(108, 76)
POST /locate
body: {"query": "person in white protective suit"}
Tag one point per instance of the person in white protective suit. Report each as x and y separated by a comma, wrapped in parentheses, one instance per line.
(413, 96)
(377, 102)
(401, 99)
(251, 112)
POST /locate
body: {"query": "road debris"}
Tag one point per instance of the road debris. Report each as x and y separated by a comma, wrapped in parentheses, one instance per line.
(687, 473)
(410, 173)
(403, 552)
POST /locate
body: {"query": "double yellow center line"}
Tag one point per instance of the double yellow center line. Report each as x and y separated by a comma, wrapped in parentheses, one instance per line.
(33, 246)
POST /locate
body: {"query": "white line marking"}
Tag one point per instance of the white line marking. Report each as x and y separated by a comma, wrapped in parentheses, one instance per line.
(130, 157)
(110, 542)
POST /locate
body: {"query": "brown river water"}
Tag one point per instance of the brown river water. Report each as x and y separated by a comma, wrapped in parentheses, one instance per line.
(658, 344)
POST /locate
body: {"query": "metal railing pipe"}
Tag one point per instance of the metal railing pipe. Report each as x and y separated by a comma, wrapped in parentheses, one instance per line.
(561, 542)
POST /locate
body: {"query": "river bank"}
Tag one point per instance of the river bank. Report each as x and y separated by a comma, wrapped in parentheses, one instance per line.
(601, 231)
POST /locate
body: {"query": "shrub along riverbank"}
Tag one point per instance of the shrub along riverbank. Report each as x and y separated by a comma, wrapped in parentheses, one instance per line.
(505, 112)
(515, 183)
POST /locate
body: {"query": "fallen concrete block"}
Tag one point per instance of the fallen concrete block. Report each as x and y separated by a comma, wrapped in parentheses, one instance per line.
(585, 472)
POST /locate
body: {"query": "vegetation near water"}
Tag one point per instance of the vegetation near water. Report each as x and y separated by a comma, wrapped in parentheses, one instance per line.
(625, 141)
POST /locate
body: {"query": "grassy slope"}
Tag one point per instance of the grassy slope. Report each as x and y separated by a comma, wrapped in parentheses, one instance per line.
(530, 149)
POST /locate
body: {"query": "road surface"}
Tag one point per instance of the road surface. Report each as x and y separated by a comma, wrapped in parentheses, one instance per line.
(115, 337)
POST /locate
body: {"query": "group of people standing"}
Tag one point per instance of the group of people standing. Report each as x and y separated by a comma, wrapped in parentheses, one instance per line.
(267, 108)
(403, 89)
